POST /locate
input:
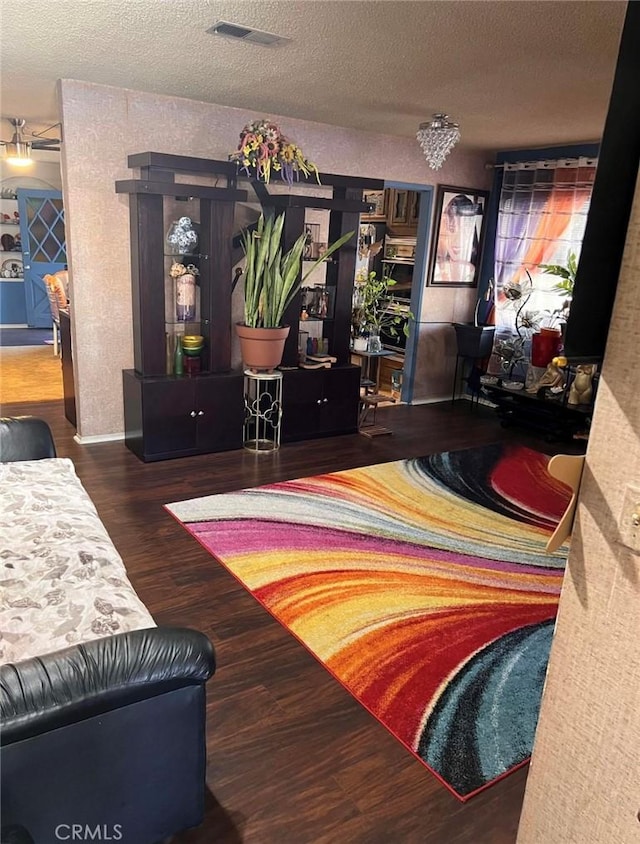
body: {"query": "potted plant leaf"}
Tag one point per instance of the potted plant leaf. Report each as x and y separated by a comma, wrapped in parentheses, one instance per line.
(272, 278)
(567, 276)
(376, 309)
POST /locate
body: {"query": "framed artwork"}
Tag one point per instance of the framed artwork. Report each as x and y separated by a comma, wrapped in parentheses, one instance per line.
(377, 198)
(457, 236)
(312, 241)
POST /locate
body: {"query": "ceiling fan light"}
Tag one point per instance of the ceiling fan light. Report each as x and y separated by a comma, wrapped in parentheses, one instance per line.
(437, 138)
(18, 152)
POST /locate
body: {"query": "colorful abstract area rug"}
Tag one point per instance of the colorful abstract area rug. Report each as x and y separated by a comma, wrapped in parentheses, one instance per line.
(421, 584)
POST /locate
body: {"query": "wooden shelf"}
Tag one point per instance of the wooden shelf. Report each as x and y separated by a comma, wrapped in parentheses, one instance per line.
(551, 416)
(171, 416)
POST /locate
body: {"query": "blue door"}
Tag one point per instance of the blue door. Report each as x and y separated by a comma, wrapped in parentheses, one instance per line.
(43, 248)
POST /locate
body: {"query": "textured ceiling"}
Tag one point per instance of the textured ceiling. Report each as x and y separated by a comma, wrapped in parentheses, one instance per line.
(513, 74)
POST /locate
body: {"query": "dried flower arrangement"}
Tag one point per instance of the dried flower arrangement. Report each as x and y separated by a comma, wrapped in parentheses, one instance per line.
(180, 269)
(264, 150)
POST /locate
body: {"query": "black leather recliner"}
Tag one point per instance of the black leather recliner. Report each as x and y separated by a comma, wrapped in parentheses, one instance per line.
(110, 732)
(25, 438)
(105, 739)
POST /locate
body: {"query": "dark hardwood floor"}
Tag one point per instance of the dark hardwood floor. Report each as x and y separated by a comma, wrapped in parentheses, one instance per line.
(292, 757)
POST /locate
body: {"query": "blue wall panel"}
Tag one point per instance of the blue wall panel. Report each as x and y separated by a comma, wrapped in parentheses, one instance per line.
(13, 309)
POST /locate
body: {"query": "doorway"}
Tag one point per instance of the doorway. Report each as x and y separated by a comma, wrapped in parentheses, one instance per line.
(401, 223)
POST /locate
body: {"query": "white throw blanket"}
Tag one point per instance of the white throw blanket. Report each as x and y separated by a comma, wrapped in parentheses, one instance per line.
(61, 579)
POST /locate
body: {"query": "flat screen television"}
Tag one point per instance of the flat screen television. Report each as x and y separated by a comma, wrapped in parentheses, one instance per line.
(611, 201)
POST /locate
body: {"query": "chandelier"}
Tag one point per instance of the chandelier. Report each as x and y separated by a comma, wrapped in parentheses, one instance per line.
(437, 139)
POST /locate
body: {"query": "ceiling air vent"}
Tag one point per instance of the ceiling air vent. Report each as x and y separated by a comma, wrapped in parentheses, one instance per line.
(244, 33)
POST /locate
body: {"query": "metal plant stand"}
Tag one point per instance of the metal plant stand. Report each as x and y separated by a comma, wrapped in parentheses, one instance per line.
(262, 410)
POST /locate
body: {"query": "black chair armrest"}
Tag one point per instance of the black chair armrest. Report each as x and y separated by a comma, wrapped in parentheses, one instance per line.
(54, 690)
(25, 438)
(15, 835)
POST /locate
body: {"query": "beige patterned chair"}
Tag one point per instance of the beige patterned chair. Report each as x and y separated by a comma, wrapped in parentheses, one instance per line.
(57, 301)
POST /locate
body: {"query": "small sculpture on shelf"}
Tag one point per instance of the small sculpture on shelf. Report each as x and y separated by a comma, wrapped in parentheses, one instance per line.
(552, 378)
(581, 390)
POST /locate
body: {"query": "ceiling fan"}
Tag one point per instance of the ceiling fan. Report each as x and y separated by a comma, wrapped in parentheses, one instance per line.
(17, 151)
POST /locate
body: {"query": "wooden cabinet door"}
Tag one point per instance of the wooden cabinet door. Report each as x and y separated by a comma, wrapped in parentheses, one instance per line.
(302, 393)
(219, 412)
(398, 207)
(414, 208)
(340, 399)
(321, 402)
(169, 415)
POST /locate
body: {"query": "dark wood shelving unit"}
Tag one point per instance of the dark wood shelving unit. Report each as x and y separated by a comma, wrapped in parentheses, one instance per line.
(174, 415)
(170, 415)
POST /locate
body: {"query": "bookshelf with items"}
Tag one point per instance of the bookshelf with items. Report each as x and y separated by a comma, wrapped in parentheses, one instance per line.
(173, 406)
(323, 402)
(174, 410)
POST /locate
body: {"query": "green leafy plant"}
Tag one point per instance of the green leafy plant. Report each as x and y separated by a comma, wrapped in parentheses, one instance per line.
(566, 274)
(375, 304)
(273, 277)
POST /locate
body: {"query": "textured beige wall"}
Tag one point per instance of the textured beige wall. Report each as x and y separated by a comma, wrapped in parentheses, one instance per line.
(102, 126)
(583, 785)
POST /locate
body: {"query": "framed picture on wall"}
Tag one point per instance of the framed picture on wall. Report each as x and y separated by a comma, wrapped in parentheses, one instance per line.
(457, 236)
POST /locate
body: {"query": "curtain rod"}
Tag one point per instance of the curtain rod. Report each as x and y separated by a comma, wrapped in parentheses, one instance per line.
(489, 166)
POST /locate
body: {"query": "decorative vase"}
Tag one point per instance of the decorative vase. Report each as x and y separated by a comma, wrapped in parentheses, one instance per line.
(545, 345)
(182, 238)
(360, 341)
(170, 346)
(186, 297)
(374, 343)
(192, 344)
(262, 348)
(178, 358)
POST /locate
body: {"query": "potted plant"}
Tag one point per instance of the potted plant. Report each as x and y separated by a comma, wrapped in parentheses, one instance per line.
(567, 276)
(272, 278)
(375, 309)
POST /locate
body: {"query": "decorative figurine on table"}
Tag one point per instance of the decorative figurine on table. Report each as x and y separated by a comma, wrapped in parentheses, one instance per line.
(581, 390)
(552, 378)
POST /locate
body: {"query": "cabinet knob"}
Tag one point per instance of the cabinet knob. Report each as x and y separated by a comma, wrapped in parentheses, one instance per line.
(201, 413)
(193, 413)
(324, 401)
(319, 401)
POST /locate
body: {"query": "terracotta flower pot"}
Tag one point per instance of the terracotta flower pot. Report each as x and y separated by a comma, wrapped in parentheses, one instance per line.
(262, 348)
